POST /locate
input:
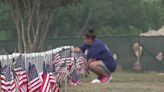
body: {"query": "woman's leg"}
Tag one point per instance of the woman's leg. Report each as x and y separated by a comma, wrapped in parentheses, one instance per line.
(97, 67)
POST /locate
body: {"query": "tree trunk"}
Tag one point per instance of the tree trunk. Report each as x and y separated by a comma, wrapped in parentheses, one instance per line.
(33, 19)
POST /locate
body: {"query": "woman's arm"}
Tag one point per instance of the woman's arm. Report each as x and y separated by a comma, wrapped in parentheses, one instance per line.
(76, 50)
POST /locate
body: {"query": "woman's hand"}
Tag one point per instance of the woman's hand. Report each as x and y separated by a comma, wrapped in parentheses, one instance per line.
(76, 50)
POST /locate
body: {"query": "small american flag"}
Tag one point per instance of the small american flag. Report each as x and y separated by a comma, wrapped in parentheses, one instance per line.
(53, 82)
(0, 68)
(61, 75)
(57, 61)
(49, 83)
(66, 55)
(61, 57)
(20, 71)
(34, 79)
(8, 83)
(50, 69)
(80, 62)
(18, 63)
(60, 78)
(75, 78)
(64, 64)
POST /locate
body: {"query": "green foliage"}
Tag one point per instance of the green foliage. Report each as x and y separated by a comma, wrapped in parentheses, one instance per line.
(6, 21)
(4, 35)
(111, 17)
(107, 17)
(71, 19)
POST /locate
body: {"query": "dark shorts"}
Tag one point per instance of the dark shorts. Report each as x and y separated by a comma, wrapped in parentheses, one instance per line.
(109, 66)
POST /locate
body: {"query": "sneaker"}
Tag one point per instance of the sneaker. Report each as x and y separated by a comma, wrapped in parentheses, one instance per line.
(106, 79)
(95, 81)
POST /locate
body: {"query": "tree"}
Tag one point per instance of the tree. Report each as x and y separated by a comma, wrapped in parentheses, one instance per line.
(5, 18)
(110, 17)
(33, 19)
(74, 19)
(6, 22)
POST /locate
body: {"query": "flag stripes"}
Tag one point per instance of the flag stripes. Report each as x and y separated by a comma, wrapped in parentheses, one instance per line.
(26, 79)
(21, 74)
(8, 84)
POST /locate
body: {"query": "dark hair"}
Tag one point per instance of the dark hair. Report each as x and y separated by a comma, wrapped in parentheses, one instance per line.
(90, 34)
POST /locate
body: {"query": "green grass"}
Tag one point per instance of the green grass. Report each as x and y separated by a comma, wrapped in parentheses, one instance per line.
(124, 82)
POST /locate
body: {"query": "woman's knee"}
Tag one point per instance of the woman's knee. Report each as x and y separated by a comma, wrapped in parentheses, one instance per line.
(92, 65)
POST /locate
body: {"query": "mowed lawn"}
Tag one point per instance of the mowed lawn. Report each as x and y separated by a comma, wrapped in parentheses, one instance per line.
(124, 82)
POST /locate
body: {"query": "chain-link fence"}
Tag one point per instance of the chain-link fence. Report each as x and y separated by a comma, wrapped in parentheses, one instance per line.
(131, 52)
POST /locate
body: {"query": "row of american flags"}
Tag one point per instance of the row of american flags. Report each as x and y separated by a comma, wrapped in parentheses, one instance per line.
(20, 78)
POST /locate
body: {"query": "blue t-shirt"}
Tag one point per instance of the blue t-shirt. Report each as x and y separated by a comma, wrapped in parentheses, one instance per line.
(99, 51)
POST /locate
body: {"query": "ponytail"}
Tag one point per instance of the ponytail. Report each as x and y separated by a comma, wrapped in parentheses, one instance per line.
(90, 34)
